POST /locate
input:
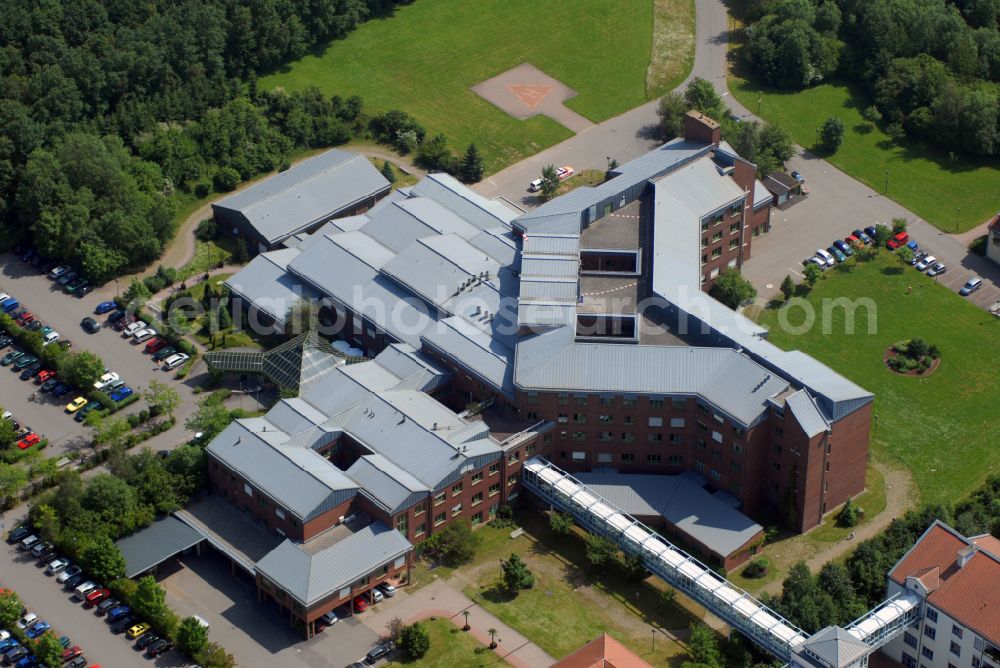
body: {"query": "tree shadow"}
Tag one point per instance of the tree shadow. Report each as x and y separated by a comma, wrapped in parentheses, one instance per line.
(649, 132)
(844, 268)
(497, 594)
(862, 129)
(892, 271)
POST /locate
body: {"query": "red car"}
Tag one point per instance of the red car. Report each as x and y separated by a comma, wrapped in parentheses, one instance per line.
(44, 375)
(25, 318)
(900, 239)
(853, 240)
(155, 344)
(360, 604)
(31, 439)
(95, 597)
(71, 653)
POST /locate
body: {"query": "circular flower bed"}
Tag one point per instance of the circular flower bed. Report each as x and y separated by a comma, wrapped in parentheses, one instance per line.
(913, 357)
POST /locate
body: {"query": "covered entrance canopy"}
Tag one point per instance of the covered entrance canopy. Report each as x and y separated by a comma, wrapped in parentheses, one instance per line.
(146, 549)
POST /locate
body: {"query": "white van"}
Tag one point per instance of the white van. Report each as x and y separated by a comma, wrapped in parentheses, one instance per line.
(81, 592)
(535, 186)
(826, 257)
(51, 337)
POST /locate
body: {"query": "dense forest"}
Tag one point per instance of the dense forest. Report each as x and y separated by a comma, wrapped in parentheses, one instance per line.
(109, 109)
(930, 67)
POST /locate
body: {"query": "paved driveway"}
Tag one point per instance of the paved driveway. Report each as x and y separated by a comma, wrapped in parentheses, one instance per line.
(46, 598)
(255, 633)
(62, 312)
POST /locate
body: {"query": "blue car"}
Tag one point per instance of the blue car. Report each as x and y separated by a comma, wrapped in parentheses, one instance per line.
(121, 393)
(9, 305)
(844, 247)
(62, 389)
(870, 231)
(7, 644)
(913, 246)
(37, 629)
(27, 662)
(117, 613)
(105, 307)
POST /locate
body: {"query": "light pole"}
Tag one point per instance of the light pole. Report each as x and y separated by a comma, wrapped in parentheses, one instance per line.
(876, 426)
(958, 216)
(652, 635)
(493, 642)
(759, 100)
(817, 137)
(887, 182)
(466, 627)
(117, 294)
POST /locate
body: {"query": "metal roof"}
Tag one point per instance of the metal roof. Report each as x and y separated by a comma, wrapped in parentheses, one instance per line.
(387, 483)
(700, 187)
(470, 206)
(310, 578)
(266, 283)
(807, 413)
(834, 647)
(683, 503)
(761, 195)
(155, 544)
(305, 194)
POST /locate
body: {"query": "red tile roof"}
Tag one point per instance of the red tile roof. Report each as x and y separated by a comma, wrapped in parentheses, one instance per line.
(929, 577)
(988, 543)
(603, 652)
(970, 594)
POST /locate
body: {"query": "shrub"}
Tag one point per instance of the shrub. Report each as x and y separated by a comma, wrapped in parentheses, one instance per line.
(226, 179)
(516, 575)
(206, 230)
(848, 515)
(756, 569)
(415, 641)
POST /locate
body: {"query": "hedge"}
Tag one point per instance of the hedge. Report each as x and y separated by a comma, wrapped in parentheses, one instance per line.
(14, 454)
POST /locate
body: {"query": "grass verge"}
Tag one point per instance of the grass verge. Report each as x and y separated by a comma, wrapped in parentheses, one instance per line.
(450, 647)
(954, 193)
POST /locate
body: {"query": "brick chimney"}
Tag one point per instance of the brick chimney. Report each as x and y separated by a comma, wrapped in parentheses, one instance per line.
(699, 127)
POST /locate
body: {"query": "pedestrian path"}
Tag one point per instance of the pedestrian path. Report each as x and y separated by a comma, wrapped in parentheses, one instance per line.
(439, 599)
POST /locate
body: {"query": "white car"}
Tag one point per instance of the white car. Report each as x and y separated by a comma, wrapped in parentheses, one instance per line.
(175, 361)
(58, 271)
(565, 172)
(51, 337)
(826, 257)
(105, 380)
(27, 543)
(387, 589)
(4, 296)
(926, 262)
(4, 635)
(56, 566)
(377, 595)
(535, 186)
(81, 592)
(329, 618)
(133, 327)
(26, 621)
(143, 335)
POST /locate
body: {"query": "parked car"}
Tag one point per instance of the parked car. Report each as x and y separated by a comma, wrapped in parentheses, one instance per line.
(64, 641)
(71, 653)
(11, 357)
(105, 307)
(913, 245)
(27, 620)
(86, 410)
(138, 630)
(72, 583)
(67, 278)
(76, 285)
(121, 393)
(565, 172)
(27, 543)
(158, 647)
(95, 596)
(118, 613)
(918, 256)
(38, 548)
(32, 439)
(360, 604)
(24, 318)
(971, 286)
(145, 640)
(897, 240)
(329, 618)
(44, 375)
(76, 405)
(57, 566)
(143, 335)
(379, 651)
(105, 605)
(62, 389)
(23, 362)
(7, 643)
(163, 353)
(870, 231)
(37, 629)
(59, 271)
(156, 344)
(133, 327)
(105, 380)
(844, 247)
(798, 177)
(116, 317)
(387, 589)
(71, 571)
(78, 662)
(9, 305)
(535, 186)
(30, 370)
(17, 534)
(925, 262)
(84, 290)
(937, 269)
(863, 236)
(90, 325)
(5, 341)
(121, 624)
(175, 361)
(81, 591)
(837, 253)
(45, 556)
(14, 654)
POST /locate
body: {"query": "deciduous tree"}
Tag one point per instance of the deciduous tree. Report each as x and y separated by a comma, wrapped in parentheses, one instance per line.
(671, 110)
(192, 636)
(732, 289)
(516, 575)
(103, 560)
(415, 641)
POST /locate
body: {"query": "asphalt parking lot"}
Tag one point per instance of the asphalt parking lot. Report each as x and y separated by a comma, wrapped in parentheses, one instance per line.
(46, 598)
(837, 205)
(255, 633)
(45, 299)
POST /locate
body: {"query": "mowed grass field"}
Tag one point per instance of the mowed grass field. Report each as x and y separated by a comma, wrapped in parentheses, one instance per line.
(450, 648)
(942, 427)
(424, 58)
(953, 193)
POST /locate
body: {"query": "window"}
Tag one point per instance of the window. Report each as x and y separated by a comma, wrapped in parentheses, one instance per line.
(628, 420)
(735, 227)
(733, 244)
(580, 418)
(656, 403)
(512, 479)
(494, 469)
(456, 489)
(248, 490)
(579, 436)
(932, 615)
(955, 648)
(910, 639)
(735, 466)
(677, 439)
(477, 478)
(605, 419)
(930, 632)
(477, 519)
(477, 498)
(701, 444)
(909, 661)
(927, 653)
(700, 465)
(776, 466)
(604, 436)
(456, 509)
(402, 523)
(494, 489)
(715, 474)
(716, 252)
(677, 423)
(716, 454)
(439, 498)
(737, 449)
(655, 438)
(702, 428)
(628, 457)
(604, 457)
(717, 237)
(281, 515)
(421, 529)
(532, 415)
(514, 456)
(717, 437)
(563, 399)
(628, 402)
(739, 431)
(655, 422)
(628, 437)
(653, 459)
(532, 397)
(581, 400)
(438, 519)
(579, 456)
(676, 459)
(956, 631)
(563, 418)
(607, 401)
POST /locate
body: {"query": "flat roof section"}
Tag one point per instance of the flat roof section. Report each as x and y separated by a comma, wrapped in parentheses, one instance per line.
(612, 295)
(149, 547)
(617, 230)
(228, 530)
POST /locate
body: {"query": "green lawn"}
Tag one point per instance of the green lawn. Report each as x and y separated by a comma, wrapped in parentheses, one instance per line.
(942, 427)
(450, 647)
(953, 194)
(425, 57)
(572, 601)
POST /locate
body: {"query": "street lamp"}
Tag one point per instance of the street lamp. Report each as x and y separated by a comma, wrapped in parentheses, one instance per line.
(876, 426)
(652, 635)
(116, 288)
(817, 137)
(759, 100)
(887, 182)
(493, 642)
(466, 627)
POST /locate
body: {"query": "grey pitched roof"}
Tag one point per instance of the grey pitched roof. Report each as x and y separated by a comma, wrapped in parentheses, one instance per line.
(308, 192)
(387, 483)
(310, 578)
(266, 283)
(483, 213)
(298, 478)
(761, 195)
(806, 413)
(156, 543)
(684, 503)
(833, 647)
